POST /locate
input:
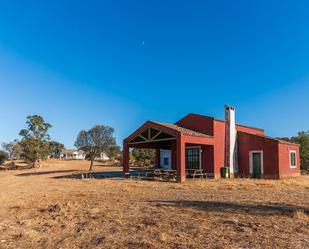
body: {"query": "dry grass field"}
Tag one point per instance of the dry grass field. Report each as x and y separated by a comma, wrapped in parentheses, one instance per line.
(40, 210)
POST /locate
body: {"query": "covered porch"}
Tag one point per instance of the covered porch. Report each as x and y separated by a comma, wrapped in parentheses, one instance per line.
(176, 149)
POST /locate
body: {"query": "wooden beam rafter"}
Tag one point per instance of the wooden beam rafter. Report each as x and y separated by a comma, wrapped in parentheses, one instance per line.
(152, 141)
(139, 135)
(156, 135)
(149, 134)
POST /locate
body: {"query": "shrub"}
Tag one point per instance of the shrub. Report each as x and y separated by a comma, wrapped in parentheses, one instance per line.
(3, 156)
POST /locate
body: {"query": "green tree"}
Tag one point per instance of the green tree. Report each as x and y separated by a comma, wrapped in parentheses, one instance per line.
(35, 140)
(143, 156)
(3, 156)
(55, 147)
(17, 150)
(113, 151)
(303, 140)
(94, 141)
(9, 148)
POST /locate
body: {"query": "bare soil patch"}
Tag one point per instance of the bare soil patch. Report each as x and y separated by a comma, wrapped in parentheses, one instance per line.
(40, 210)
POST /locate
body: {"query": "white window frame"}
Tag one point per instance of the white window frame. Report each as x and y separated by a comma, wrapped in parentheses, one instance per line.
(292, 166)
(251, 161)
(197, 147)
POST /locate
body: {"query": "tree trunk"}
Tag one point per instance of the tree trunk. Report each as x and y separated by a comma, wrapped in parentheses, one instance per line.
(11, 161)
(91, 164)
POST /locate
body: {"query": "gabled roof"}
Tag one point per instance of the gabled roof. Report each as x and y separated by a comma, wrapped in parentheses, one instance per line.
(182, 130)
(171, 129)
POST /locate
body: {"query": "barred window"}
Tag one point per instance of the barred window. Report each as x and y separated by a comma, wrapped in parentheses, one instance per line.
(193, 158)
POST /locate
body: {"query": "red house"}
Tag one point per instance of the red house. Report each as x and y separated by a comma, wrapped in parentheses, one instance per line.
(202, 142)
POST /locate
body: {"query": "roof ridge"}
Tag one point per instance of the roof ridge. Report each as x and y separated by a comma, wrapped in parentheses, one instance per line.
(220, 120)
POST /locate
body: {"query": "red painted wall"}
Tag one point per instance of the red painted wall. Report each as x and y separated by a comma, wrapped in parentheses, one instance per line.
(219, 146)
(197, 123)
(248, 129)
(158, 158)
(284, 160)
(276, 158)
(248, 142)
(205, 124)
(208, 158)
(173, 154)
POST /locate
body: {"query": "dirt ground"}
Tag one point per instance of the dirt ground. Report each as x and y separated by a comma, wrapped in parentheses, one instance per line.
(40, 210)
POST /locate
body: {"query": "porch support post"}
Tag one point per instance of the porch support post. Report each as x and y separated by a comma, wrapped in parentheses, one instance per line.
(173, 154)
(126, 171)
(181, 159)
(157, 160)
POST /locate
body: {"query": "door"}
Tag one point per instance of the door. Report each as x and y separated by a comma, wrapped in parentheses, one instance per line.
(193, 158)
(165, 160)
(257, 164)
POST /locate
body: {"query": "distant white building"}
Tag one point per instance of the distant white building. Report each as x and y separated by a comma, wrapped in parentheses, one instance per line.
(72, 154)
(103, 157)
(80, 155)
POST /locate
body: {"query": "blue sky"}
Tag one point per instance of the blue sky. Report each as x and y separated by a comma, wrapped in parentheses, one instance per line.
(120, 63)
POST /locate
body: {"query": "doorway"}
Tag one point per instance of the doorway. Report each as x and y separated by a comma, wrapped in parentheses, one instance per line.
(256, 164)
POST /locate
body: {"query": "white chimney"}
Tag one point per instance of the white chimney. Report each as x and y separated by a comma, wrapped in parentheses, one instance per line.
(230, 140)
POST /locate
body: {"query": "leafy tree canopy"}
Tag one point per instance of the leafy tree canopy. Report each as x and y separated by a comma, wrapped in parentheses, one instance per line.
(34, 143)
(113, 151)
(143, 156)
(37, 128)
(9, 148)
(55, 147)
(96, 140)
(3, 156)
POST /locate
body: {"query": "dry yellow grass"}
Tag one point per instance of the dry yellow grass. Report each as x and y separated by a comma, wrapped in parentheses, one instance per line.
(38, 210)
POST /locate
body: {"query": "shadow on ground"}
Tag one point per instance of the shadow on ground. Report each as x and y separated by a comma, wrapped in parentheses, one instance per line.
(237, 208)
(46, 172)
(108, 175)
(93, 175)
(104, 164)
(16, 168)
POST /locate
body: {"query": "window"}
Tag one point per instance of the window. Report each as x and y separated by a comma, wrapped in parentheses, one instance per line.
(293, 163)
(193, 158)
(165, 160)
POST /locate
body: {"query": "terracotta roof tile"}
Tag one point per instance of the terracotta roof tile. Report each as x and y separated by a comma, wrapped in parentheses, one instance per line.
(182, 130)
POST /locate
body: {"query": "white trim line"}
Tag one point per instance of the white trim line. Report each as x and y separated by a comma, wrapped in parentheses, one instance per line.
(290, 152)
(251, 161)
